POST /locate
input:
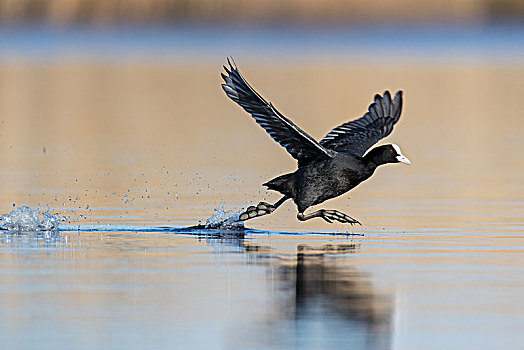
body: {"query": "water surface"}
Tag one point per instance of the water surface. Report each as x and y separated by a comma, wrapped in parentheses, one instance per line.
(132, 151)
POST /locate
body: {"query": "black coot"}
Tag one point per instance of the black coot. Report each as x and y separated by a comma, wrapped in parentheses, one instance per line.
(328, 168)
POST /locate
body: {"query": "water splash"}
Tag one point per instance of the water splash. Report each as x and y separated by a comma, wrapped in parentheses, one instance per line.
(26, 219)
(222, 219)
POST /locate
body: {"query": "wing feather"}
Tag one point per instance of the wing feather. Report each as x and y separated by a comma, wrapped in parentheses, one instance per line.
(298, 143)
(359, 135)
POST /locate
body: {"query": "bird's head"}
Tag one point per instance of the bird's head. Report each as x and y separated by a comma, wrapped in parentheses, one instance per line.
(394, 155)
(387, 154)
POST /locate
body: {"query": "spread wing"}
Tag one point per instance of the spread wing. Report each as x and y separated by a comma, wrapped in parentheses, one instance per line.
(358, 135)
(298, 143)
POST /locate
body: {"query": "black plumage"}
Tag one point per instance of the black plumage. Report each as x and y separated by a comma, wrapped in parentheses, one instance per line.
(328, 168)
(358, 135)
(300, 145)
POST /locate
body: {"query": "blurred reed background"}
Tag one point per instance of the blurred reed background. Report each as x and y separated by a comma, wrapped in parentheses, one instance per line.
(109, 12)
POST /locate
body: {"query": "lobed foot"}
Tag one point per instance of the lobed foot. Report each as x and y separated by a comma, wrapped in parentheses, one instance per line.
(329, 216)
(251, 212)
(333, 215)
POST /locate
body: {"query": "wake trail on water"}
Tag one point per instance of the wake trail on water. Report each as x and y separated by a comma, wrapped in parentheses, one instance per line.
(25, 219)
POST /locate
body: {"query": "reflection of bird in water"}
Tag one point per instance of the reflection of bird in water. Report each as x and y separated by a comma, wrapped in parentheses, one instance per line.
(348, 291)
(315, 301)
(324, 290)
(328, 168)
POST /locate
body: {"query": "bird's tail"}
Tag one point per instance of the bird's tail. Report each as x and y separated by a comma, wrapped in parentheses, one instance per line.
(283, 184)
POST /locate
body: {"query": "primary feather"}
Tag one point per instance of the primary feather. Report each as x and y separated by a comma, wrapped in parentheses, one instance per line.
(298, 143)
(354, 137)
(359, 135)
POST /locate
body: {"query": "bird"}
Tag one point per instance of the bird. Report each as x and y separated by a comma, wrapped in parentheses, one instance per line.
(327, 168)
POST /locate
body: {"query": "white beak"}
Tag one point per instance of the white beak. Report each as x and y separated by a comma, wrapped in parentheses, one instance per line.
(403, 159)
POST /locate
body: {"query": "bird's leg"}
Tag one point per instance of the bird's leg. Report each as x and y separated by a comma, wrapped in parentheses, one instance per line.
(329, 216)
(261, 209)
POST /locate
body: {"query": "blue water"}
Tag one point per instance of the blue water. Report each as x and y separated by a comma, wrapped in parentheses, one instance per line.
(167, 287)
(497, 43)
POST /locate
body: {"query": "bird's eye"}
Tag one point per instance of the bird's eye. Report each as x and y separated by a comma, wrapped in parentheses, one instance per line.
(391, 150)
